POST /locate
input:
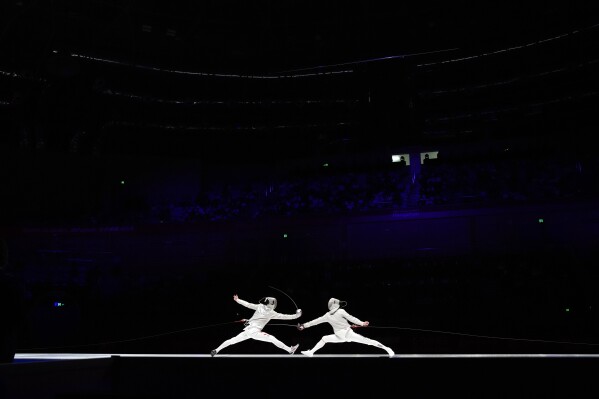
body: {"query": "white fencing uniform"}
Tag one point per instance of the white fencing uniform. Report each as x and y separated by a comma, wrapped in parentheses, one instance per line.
(253, 329)
(339, 319)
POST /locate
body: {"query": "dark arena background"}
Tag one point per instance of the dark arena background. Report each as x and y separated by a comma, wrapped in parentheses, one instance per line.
(434, 165)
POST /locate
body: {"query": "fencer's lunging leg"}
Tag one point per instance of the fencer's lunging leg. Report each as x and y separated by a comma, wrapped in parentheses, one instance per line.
(262, 336)
(355, 337)
(242, 336)
(327, 339)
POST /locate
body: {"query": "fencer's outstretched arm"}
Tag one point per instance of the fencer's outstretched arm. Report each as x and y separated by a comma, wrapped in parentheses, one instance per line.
(283, 316)
(339, 321)
(353, 319)
(311, 323)
(252, 306)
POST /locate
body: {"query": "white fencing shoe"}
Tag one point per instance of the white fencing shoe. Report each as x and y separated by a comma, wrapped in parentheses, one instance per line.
(293, 349)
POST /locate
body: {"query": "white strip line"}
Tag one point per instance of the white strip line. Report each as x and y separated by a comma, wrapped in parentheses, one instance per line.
(80, 356)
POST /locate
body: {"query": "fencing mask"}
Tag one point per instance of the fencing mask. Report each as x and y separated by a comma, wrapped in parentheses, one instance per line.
(269, 302)
(335, 304)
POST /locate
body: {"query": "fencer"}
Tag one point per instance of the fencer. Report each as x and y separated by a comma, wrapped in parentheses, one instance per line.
(264, 311)
(339, 319)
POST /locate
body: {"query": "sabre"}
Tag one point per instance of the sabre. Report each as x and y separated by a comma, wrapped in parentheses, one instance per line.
(283, 292)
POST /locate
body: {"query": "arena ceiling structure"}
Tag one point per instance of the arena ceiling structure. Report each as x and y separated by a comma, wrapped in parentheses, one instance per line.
(73, 70)
(266, 36)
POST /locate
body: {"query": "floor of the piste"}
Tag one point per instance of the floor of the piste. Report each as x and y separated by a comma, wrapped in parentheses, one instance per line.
(62, 375)
(33, 357)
